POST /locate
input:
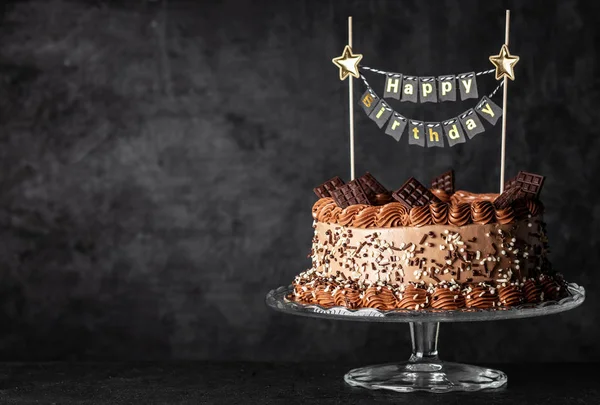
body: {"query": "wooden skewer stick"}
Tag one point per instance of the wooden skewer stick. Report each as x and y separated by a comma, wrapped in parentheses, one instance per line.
(504, 102)
(351, 104)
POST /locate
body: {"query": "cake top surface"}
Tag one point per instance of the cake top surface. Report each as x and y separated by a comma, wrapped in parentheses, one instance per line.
(366, 203)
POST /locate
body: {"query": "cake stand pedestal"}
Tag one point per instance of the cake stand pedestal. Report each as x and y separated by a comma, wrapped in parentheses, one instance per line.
(424, 371)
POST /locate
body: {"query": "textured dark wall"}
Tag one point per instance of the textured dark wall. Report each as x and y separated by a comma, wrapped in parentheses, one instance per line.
(157, 161)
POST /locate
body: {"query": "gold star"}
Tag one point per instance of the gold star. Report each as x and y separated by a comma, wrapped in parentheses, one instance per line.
(348, 63)
(505, 63)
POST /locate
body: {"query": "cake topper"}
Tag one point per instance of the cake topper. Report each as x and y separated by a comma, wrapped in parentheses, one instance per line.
(429, 89)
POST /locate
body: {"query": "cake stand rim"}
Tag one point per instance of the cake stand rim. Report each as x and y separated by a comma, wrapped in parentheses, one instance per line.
(276, 300)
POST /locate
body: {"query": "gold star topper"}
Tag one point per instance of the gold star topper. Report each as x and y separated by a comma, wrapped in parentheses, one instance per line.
(348, 63)
(505, 63)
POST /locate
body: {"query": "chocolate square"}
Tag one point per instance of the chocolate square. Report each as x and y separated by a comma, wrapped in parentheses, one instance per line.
(349, 194)
(371, 186)
(444, 182)
(325, 189)
(412, 194)
(530, 184)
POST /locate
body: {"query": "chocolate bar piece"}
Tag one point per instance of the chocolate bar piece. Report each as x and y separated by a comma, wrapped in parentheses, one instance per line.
(444, 182)
(507, 197)
(412, 194)
(349, 194)
(530, 184)
(325, 189)
(510, 183)
(371, 186)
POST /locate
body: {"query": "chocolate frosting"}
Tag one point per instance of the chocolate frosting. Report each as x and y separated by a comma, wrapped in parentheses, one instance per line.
(391, 215)
(379, 297)
(439, 213)
(347, 215)
(478, 210)
(420, 216)
(479, 296)
(459, 214)
(366, 218)
(462, 196)
(550, 288)
(505, 216)
(323, 295)
(482, 212)
(348, 297)
(413, 298)
(510, 295)
(445, 298)
(441, 194)
(531, 291)
(520, 208)
(303, 293)
(534, 206)
(321, 202)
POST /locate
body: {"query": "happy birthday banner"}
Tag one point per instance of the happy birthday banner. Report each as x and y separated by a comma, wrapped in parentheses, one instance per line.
(430, 89)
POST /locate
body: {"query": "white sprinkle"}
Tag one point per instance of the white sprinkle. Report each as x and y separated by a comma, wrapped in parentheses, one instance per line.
(530, 224)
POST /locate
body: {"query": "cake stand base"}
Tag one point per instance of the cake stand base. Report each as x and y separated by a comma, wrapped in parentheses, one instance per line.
(430, 377)
(424, 371)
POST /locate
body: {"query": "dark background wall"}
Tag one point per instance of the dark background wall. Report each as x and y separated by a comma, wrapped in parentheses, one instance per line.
(157, 160)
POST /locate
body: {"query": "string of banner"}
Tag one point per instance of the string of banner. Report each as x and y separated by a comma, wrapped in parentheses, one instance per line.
(430, 89)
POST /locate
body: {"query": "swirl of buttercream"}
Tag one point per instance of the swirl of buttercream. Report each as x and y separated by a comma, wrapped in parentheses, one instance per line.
(510, 295)
(439, 213)
(482, 212)
(445, 298)
(379, 297)
(505, 215)
(413, 298)
(531, 291)
(480, 296)
(366, 218)
(459, 214)
(325, 211)
(390, 215)
(319, 204)
(420, 215)
(550, 288)
(347, 215)
(520, 209)
(441, 194)
(335, 214)
(323, 295)
(348, 297)
(303, 293)
(534, 206)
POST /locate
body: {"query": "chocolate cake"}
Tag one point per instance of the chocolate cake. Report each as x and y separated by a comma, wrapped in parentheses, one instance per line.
(428, 248)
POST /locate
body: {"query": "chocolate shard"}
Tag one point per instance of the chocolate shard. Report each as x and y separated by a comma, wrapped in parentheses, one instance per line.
(507, 197)
(371, 186)
(325, 189)
(413, 194)
(350, 194)
(530, 184)
(444, 181)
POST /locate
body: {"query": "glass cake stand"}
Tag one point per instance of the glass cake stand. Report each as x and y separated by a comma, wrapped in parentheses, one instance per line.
(424, 371)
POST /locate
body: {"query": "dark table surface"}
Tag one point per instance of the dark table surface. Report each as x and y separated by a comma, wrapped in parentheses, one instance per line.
(260, 383)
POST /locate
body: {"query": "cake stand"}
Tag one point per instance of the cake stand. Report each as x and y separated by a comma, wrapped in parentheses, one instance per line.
(424, 371)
